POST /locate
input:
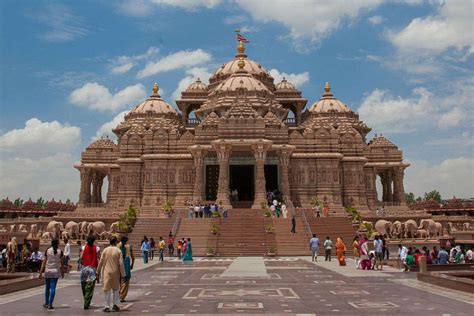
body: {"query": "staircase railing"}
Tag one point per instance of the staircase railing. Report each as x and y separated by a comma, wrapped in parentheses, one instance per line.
(306, 223)
(176, 224)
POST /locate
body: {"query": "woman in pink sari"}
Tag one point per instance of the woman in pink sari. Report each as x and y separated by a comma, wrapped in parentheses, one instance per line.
(365, 263)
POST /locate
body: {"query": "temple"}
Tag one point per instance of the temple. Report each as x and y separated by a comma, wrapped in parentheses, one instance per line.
(234, 140)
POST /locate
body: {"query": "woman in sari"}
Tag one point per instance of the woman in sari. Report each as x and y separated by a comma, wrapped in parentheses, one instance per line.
(364, 254)
(326, 210)
(128, 262)
(188, 256)
(341, 251)
(90, 260)
(356, 247)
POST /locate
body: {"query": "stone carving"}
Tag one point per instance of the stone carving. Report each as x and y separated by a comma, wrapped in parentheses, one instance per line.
(22, 228)
(96, 228)
(439, 229)
(33, 232)
(423, 233)
(397, 229)
(12, 228)
(72, 229)
(83, 226)
(54, 229)
(383, 227)
(114, 227)
(3, 228)
(411, 229)
(466, 226)
(429, 225)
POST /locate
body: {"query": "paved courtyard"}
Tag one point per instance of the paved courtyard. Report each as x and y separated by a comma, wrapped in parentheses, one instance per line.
(255, 285)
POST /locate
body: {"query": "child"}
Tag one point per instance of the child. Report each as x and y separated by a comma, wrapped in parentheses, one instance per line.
(180, 246)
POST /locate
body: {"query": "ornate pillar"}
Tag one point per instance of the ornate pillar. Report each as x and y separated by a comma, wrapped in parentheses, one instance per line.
(100, 182)
(398, 189)
(223, 153)
(284, 157)
(94, 187)
(390, 185)
(260, 154)
(198, 156)
(384, 180)
(85, 192)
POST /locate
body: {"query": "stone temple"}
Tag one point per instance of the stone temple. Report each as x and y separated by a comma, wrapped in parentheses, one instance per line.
(246, 134)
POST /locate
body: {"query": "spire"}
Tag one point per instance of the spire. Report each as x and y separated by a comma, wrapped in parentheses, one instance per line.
(241, 46)
(155, 88)
(327, 87)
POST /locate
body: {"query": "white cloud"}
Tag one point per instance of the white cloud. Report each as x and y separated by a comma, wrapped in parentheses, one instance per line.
(61, 23)
(39, 139)
(376, 19)
(451, 177)
(191, 76)
(235, 19)
(451, 27)
(465, 139)
(106, 128)
(123, 64)
(178, 60)
(139, 8)
(450, 106)
(297, 79)
(307, 19)
(38, 159)
(95, 96)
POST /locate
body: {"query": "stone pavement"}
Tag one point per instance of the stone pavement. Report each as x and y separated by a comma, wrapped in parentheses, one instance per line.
(276, 286)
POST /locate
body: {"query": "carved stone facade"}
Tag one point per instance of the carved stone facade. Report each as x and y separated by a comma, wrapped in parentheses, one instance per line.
(236, 139)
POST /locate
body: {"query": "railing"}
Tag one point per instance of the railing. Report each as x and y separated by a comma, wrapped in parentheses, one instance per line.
(176, 224)
(306, 224)
(193, 122)
(290, 121)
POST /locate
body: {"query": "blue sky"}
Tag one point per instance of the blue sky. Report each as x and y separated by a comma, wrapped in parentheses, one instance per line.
(70, 68)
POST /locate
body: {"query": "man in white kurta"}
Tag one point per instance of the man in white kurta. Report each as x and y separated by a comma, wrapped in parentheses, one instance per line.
(111, 270)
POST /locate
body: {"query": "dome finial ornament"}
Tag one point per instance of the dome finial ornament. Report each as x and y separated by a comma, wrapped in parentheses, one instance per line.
(327, 87)
(241, 63)
(155, 88)
(241, 48)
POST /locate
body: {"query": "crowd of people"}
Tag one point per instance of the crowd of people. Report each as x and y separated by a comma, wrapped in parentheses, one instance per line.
(207, 211)
(184, 249)
(340, 246)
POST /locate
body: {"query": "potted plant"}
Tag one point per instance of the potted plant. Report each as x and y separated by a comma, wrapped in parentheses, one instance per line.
(270, 229)
(267, 214)
(215, 228)
(216, 214)
(210, 252)
(271, 252)
(168, 208)
(123, 224)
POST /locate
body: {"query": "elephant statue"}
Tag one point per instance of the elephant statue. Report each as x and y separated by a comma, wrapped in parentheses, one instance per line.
(114, 227)
(383, 227)
(439, 229)
(65, 235)
(429, 225)
(466, 226)
(397, 229)
(12, 228)
(96, 228)
(22, 228)
(83, 229)
(105, 235)
(411, 228)
(423, 233)
(33, 232)
(46, 236)
(54, 228)
(72, 229)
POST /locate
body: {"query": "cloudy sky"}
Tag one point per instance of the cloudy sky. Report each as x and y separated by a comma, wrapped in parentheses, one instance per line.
(71, 69)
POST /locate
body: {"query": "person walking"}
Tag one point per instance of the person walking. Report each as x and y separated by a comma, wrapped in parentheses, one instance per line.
(128, 263)
(79, 255)
(355, 247)
(314, 247)
(52, 269)
(111, 269)
(67, 253)
(179, 247)
(225, 212)
(341, 251)
(365, 262)
(90, 261)
(293, 224)
(170, 245)
(12, 250)
(188, 256)
(183, 242)
(402, 255)
(145, 248)
(327, 248)
(161, 245)
(151, 252)
(378, 248)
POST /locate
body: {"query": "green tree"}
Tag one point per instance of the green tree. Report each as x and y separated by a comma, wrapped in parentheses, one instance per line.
(18, 202)
(435, 195)
(410, 197)
(41, 202)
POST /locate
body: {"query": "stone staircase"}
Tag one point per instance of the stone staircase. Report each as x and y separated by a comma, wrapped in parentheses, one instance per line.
(332, 226)
(287, 243)
(199, 230)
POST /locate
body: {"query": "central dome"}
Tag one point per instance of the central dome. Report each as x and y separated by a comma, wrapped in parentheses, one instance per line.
(252, 67)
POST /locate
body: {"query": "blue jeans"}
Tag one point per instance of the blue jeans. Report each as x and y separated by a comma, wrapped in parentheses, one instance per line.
(161, 254)
(145, 256)
(50, 290)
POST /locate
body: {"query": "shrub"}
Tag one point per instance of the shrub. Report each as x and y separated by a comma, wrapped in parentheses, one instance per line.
(270, 228)
(267, 213)
(215, 228)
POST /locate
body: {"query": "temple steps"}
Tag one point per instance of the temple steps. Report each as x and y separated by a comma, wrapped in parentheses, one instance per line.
(287, 243)
(152, 228)
(199, 230)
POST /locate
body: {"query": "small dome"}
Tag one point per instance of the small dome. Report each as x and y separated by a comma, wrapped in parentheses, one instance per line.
(197, 86)
(284, 85)
(241, 80)
(102, 143)
(328, 103)
(154, 104)
(381, 141)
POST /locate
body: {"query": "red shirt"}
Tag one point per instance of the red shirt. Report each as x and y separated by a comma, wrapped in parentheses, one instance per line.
(417, 257)
(89, 257)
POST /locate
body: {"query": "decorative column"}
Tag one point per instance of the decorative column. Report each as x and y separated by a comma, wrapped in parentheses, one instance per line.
(390, 186)
(398, 189)
(384, 180)
(284, 157)
(94, 187)
(198, 156)
(100, 182)
(223, 154)
(85, 193)
(260, 154)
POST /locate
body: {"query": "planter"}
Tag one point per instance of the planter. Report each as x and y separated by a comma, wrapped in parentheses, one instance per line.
(271, 254)
(210, 254)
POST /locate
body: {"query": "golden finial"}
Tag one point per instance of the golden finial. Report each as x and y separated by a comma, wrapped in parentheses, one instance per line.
(327, 87)
(241, 48)
(237, 30)
(241, 63)
(155, 88)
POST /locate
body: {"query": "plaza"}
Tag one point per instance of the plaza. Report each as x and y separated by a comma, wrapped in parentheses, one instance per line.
(255, 285)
